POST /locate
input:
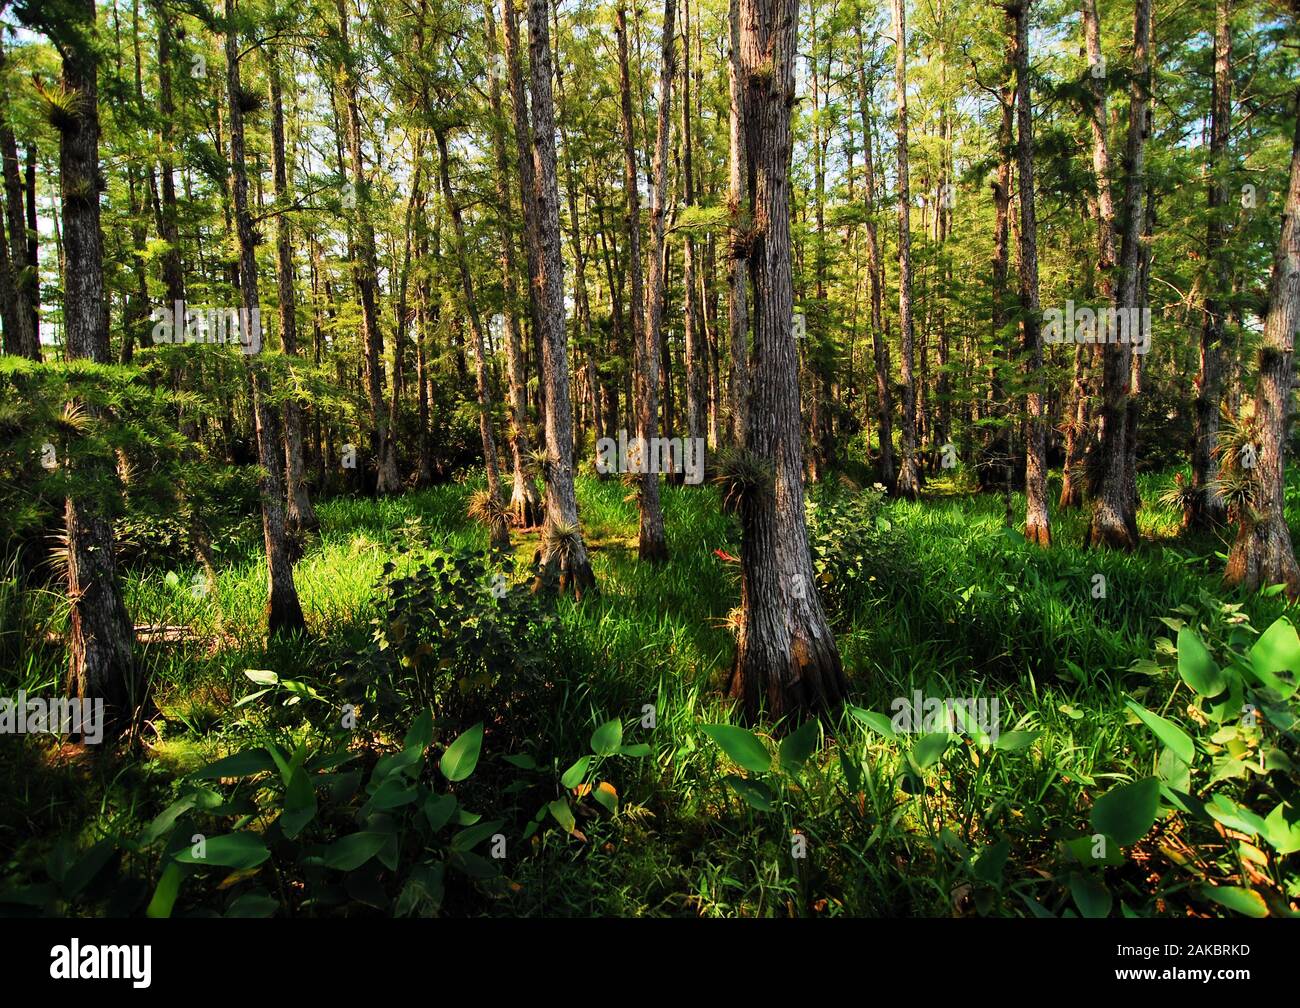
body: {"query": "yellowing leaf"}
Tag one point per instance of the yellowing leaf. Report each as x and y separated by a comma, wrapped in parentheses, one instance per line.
(235, 877)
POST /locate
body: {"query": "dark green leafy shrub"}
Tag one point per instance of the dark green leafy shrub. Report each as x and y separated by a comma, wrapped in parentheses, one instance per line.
(209, 511)
(852, 546)
(457, 635)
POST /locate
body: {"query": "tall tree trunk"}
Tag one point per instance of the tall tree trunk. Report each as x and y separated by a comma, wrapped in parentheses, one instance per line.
(876, 279)
(9, 315)
(500, 530)
(909, 473)
(740, 237)
(664, 349)
(1076, 425)
(614, 281)
(33, 241)
(136, 311)
(100, 634)
(168, 218)
(387, 479)
(1262, 553)
(318, 457)
(645, 328)
(584, 342)
(563, 550)
(706, 281)
(995, 467)
(787, 662)
(527, 186)
(284, 612)
(428, 312)
(1143, 298)
(20, 294)
(302, 516)
(1082, 438)
(1207, 508)
(816, 348)
(1114, 518)
(697, 365)
(402, 312)
(652, 543)
(135, 325)
(525, 507)
(709, 300)
(943, 230)
(1037, 522)
(168, 226)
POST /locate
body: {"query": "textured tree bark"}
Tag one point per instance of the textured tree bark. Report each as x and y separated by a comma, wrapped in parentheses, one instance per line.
(9, 320)
(667, 400)
(697, 365)
(428, 311)
(135, 314)
(173, 270)
(994, 468)
(1076, 434)
(100, 634)
(709, 299)
(738, 245)
(525, 507)
(387, 479)
(1133, 410)
(585, 345)
(283, 610)
(500, 530)
(527, 186)
(816, 365)
(302, 516)
(614, 283)
(316, 454)
(563, 549)
(943, 227)
(875, 276)
(18, 270)
(168, 228)
(909, 473)
(1207, 508)
(652, 543)
(402, 314)
(1085, 430)
(1038, 527)
(787, 662)
(1114, 517)
(1262, 553)
(33, 239)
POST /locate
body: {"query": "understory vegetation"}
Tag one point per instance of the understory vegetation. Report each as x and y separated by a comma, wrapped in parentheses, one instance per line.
(577, 762)
(691, 458)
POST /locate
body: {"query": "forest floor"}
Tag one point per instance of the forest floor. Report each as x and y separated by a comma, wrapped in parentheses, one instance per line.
(936, 596)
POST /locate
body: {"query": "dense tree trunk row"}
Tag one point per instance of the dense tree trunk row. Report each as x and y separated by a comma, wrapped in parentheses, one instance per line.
(787, 404)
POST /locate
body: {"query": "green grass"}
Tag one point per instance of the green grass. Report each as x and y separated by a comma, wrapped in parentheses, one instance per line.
(957, 608)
